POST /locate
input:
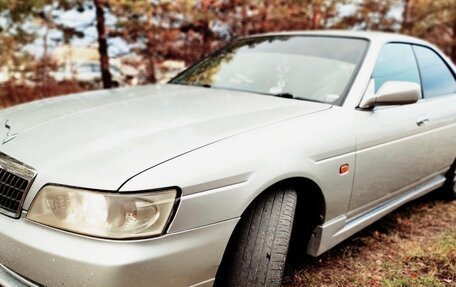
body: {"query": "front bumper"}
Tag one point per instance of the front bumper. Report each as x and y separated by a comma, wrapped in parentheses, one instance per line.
(8, 278)
(55, 258)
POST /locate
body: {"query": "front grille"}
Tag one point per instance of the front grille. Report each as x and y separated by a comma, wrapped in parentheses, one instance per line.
(15, 180)
(12, 191)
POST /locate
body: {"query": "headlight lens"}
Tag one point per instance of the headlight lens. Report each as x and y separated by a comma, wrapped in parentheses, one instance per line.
(102, 214)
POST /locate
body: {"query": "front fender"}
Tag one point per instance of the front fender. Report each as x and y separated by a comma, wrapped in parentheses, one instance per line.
(219, 181)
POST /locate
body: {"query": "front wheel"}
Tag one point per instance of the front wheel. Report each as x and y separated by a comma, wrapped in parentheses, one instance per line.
(258, 253)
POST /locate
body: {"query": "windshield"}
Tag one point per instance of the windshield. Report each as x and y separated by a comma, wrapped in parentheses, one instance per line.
(314, 68)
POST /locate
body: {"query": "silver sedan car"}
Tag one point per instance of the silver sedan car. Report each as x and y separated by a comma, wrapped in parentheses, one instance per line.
(277, 144)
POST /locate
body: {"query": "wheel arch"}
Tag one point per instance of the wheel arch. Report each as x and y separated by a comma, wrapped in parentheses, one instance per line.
(310, 211)
(310, 195)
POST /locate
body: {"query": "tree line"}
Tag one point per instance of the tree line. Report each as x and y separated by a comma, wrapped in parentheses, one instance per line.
(186, 30)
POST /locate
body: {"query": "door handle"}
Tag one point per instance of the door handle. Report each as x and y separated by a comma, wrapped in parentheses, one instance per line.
(423, 121)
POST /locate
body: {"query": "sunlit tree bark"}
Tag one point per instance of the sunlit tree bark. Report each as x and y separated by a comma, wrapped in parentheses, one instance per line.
(103, 44)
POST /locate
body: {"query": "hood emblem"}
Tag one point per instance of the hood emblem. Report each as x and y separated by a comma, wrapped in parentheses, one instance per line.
(9, 135)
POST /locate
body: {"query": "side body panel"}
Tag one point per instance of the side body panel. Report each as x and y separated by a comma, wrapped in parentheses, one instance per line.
(442, 138)
(392, 152)
(232, 173)
(439, 136)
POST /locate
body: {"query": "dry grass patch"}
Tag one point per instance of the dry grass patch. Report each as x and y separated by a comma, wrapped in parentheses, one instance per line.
(413, 247)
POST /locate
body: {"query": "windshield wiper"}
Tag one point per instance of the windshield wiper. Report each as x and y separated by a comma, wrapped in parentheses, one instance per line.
(192, 84)
(284, 95)
(202, 85)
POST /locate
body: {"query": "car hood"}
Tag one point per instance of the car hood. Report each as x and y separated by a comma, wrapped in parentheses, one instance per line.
(101, 139)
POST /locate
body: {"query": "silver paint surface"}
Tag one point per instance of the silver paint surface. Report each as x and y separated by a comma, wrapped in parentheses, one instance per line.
(222, 149)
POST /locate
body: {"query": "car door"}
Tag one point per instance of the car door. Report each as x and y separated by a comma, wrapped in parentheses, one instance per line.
(439, 92)
(392, 144)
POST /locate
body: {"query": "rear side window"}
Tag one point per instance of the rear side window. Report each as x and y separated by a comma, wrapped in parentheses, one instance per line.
(436, 77)
(396, 62)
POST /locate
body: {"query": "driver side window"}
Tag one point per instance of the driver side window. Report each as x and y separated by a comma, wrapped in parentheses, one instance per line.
(396, 62)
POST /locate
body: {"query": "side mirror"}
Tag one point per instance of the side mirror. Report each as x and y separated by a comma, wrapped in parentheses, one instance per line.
(393, 93)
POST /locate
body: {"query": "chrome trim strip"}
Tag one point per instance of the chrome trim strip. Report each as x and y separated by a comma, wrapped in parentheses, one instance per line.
(19, 169)
(207, 283)
(371, 216)
(360, 211)
(16, 167)
(14, 276)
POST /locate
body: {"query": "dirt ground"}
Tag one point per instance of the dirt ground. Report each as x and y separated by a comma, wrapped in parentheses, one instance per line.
(414, 246)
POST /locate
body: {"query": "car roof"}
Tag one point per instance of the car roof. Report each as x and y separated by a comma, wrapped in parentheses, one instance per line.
(372, 36)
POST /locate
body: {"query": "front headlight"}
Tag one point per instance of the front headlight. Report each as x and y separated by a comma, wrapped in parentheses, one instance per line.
(103, 214)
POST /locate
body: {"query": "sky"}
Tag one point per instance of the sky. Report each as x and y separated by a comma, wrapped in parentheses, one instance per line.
(79, 20)
(117, 46)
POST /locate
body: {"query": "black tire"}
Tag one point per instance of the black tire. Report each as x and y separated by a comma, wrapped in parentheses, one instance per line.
(259, 250)
(449, 188)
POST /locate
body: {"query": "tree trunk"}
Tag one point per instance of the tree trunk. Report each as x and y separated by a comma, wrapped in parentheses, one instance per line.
(316, 17)
(150, 49)
(453, 47)
(207, 39)
(103, 45)
(265, 17)
(244, 21)
(151, 57)
(45, 79)
(406, 15)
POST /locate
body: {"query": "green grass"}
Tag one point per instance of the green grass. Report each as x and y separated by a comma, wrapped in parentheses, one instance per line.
(413, 282)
